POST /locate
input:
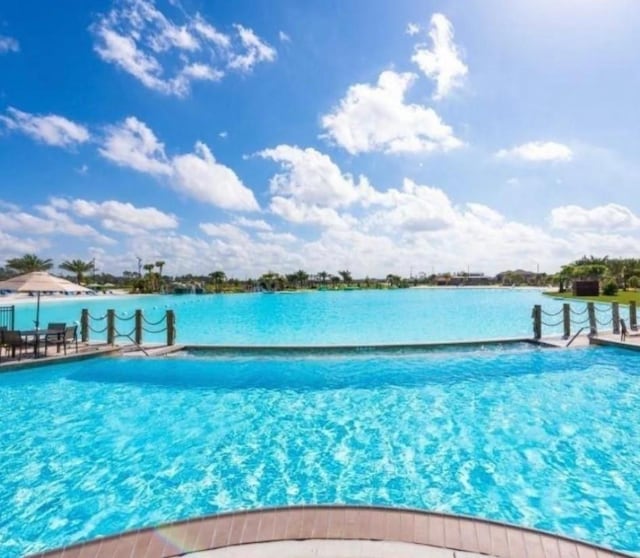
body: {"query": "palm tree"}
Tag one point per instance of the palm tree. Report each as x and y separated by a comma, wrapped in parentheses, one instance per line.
(160, 265)
(394, 280)
(149, 278)
(28, 263)
(346, 276)
(323, 276)
(270, 281)
(301, 277)
(78, 267)
(218, 277)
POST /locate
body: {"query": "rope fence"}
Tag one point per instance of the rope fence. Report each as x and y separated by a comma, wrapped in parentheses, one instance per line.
(579, 312)
(135, 335)
(552, 314)
(597, 315)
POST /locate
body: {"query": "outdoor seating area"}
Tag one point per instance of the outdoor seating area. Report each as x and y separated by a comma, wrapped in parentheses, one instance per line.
(16, 344)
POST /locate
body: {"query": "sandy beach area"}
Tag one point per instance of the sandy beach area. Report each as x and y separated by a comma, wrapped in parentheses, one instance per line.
(9, 299)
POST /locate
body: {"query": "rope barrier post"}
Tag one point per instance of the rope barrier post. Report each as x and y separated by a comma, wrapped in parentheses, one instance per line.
(171, 327)
(537, 321)
(566, 320)
(111, 326)
(591, 311)
(615, 316)
(138, 327)
(84, 325)
(633, 315)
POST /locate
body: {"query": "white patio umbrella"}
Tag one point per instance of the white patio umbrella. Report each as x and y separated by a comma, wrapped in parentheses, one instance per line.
(38, 282)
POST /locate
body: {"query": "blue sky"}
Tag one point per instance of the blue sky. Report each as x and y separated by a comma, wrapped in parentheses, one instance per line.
(372, 136)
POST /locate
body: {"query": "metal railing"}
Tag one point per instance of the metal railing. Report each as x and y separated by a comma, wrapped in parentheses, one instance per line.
(8, 317)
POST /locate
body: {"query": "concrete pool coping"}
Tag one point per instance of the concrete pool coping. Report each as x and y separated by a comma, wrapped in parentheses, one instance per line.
(333, 349)
(436, 534)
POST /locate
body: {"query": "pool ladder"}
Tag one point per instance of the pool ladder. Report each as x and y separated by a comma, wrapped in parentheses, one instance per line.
(575, 335)
(140, 347)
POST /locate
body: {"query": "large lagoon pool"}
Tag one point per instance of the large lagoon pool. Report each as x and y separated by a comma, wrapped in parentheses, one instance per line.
(321, 318)
(542, 438)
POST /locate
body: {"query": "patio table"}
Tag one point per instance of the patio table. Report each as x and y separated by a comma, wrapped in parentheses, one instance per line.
(38, 335)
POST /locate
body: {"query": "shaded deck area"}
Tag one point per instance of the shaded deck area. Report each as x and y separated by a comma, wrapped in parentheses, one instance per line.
(332, 531)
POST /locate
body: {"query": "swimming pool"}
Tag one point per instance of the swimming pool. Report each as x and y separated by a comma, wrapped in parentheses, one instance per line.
(544, 438)
(322, 318)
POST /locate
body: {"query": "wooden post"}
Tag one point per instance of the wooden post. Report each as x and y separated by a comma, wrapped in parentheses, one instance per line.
(537, 321)
(138, 332)
(171, 328)
(615, 317)
(566, 320)
(111, 327)
(633, 316)
(84, 325)
(593, 326)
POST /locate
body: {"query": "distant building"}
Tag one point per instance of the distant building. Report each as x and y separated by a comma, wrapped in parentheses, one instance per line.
(517, 276)
(474, 279)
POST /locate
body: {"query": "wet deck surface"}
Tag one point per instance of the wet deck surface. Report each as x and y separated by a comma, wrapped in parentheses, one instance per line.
(632, 341)
(428, 534)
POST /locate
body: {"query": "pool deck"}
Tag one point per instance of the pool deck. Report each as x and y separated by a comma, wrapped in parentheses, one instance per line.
(631, 342)
(337, 532)
(27, 360)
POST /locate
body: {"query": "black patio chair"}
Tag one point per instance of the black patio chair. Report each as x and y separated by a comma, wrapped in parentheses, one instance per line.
(56, 338)
(12, 340)
(70, 336)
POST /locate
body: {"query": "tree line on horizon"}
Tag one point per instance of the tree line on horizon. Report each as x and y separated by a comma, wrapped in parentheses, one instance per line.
(622, 272)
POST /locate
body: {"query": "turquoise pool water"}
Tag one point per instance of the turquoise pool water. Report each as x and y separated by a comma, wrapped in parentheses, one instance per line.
(321, 318)
(544, 438)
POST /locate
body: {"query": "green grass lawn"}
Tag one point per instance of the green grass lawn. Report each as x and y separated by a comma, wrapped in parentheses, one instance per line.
(623, 297)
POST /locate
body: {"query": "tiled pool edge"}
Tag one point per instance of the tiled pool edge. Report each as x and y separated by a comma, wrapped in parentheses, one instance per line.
(441, 530)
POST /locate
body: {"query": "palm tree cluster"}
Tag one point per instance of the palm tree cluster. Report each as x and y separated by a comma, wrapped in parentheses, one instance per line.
(621, 273)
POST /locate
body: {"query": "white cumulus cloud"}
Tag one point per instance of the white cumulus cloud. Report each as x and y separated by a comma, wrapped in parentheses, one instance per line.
(52, 222)
(201, 177)
(255, 50)
(8, 44)
(302, 213)
(443, 61)
(133, 144)
(376, 118)
(50, 129)
(197, 174)
(257, 224)
(412, 29)
(537, 151)
(412, 208)
(312, 177)
(609, 217)
(168, 56)
(118, 216)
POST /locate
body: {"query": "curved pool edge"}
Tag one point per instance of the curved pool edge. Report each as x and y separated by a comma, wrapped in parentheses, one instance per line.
(335, 522)
(357, 347)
